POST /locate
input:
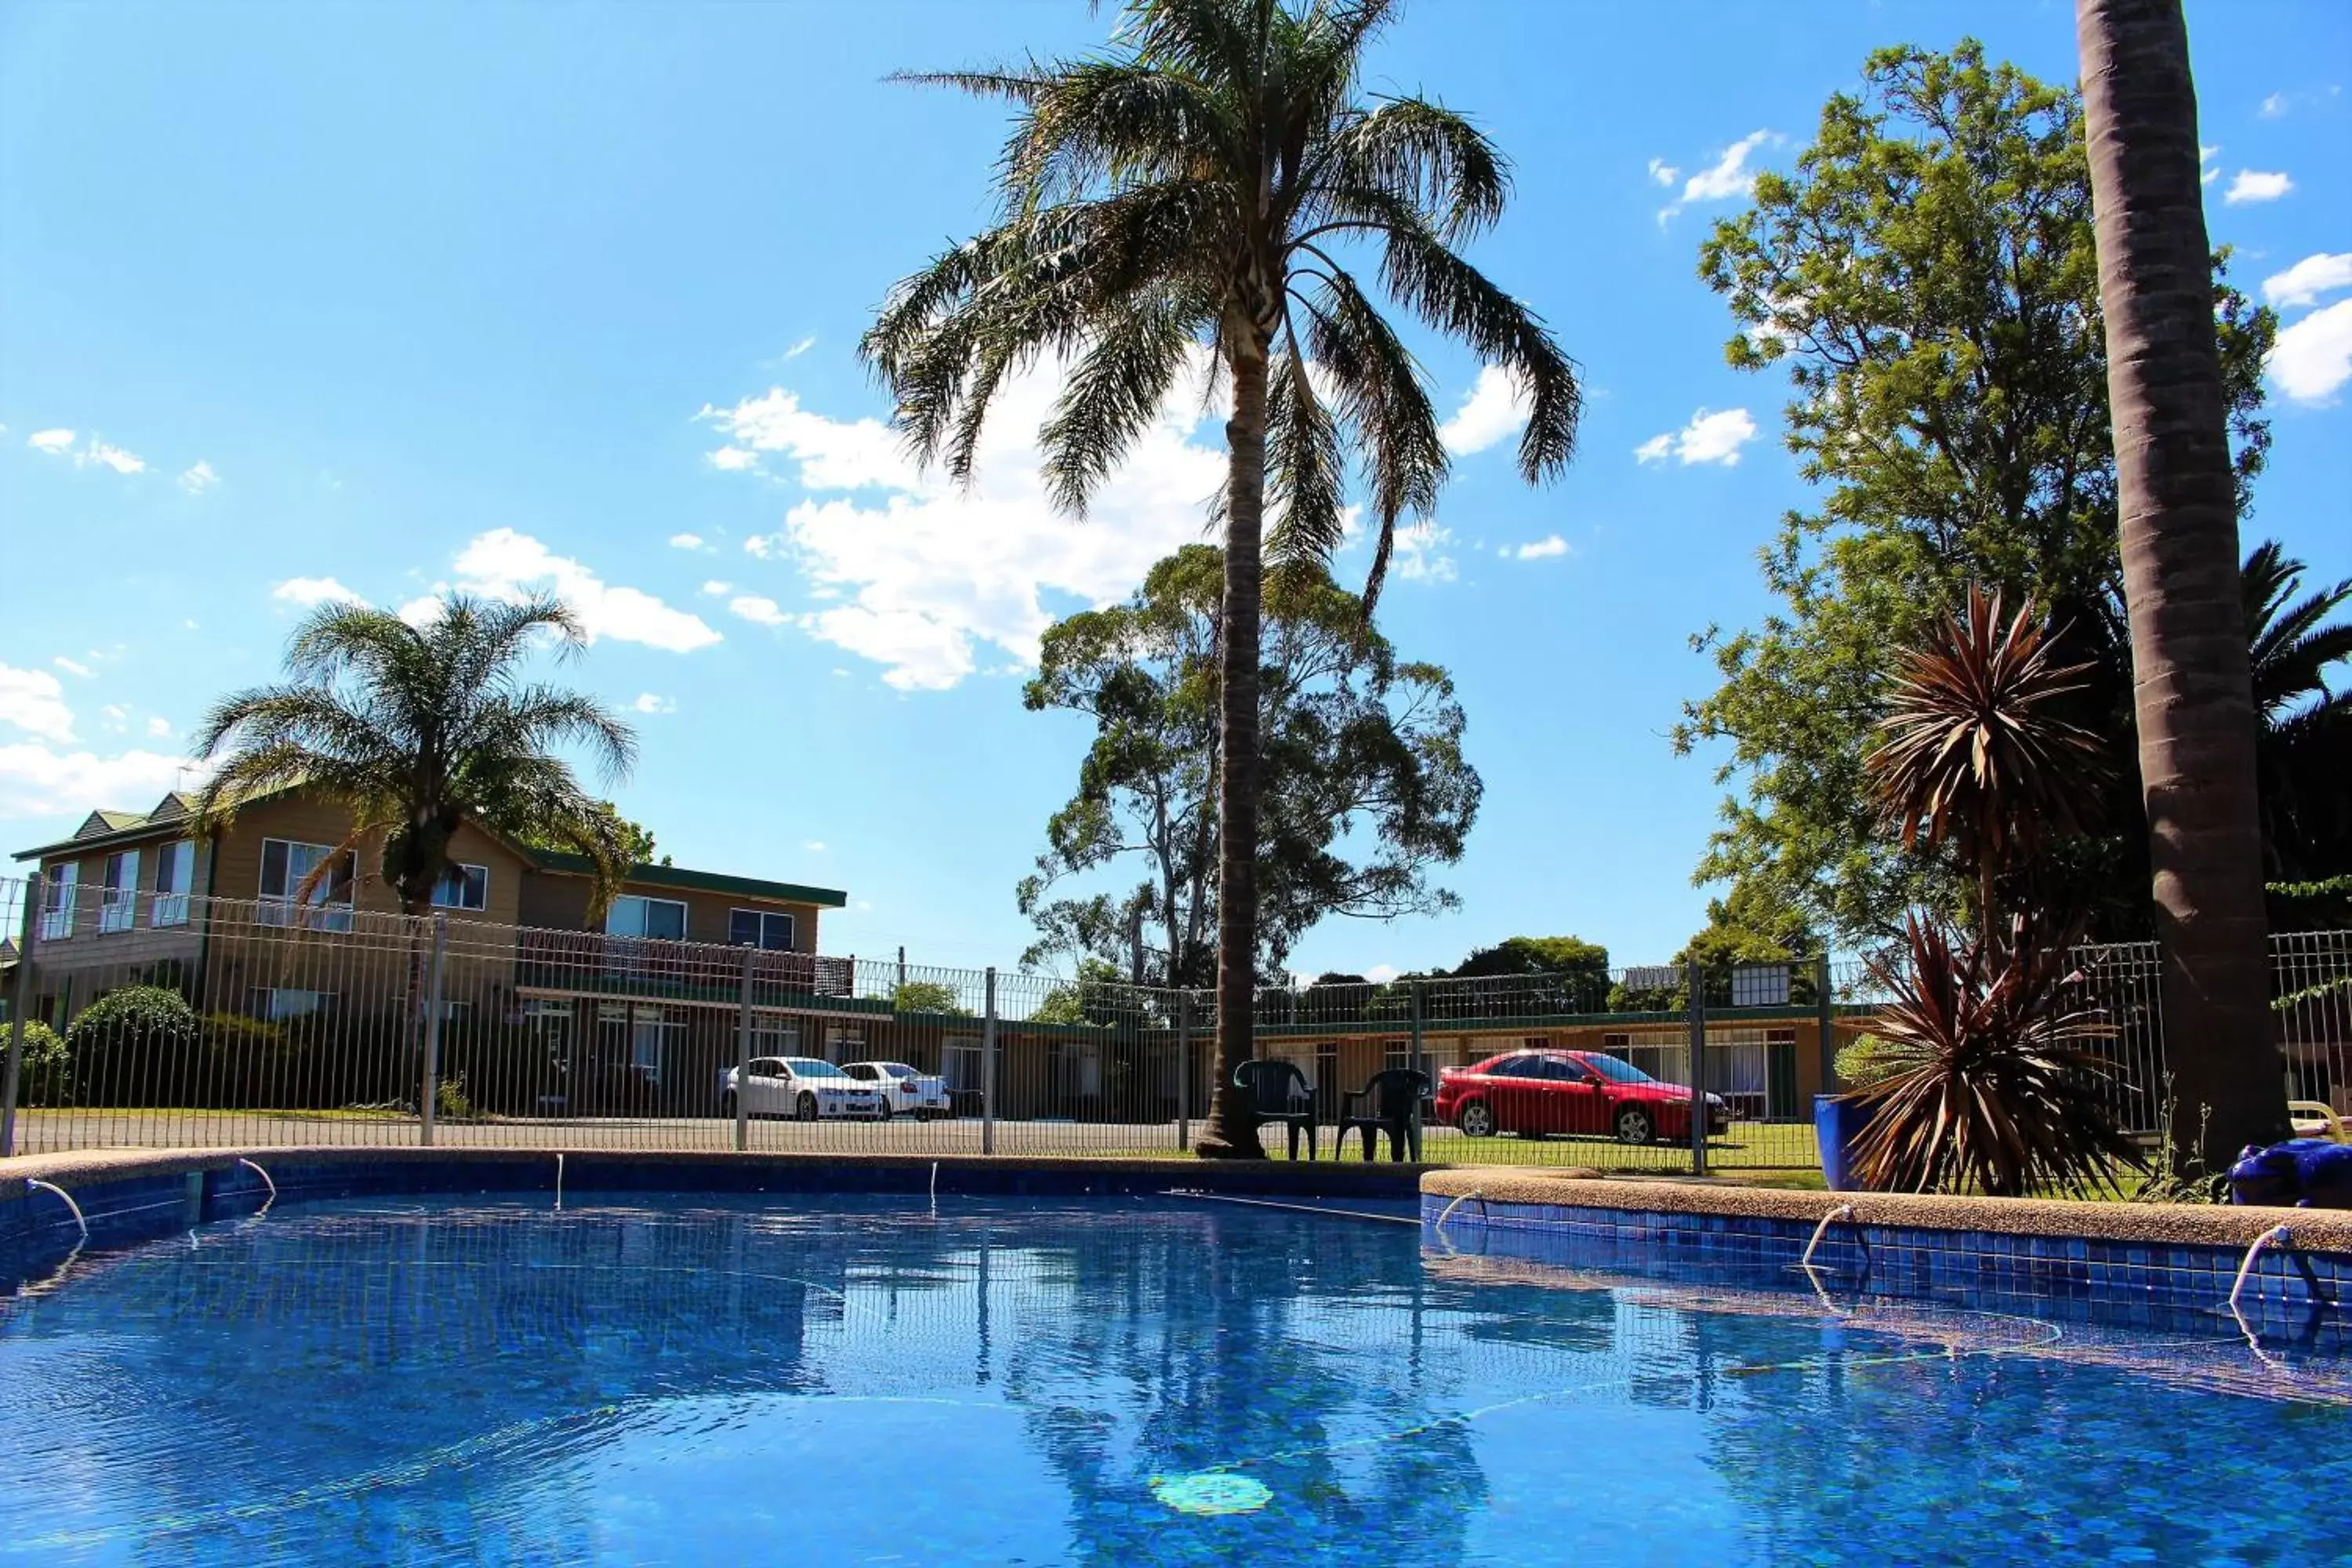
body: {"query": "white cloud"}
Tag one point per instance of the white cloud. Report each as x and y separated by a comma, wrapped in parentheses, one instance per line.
(505, 564)
(159, 727)
(34, 701)
(73, 667)
(312, 592)
(734, 459)
(718, 589)
(2274, 106)
(57, 443)
(1707, 439)
(928, 573)
(1728, 177)
(653, 703)
(1542, 549)
(833, 455)
(2307, 279)
(116, 716)
(814, 846)
(2312, 357)
(1421, 554)
(2254, 185)
(37, 782)
(758, 609)
(198, 478)
(685, 542)
(1496, 408)
(2208, 171)
(1666, 173)
(799, 348)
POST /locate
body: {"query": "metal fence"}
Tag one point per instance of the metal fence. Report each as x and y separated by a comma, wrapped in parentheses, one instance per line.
(170, 1020)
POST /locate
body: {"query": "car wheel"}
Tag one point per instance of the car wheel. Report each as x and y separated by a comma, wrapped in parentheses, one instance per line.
(727, 1105)
(884, 1114)
(1476, 1119)
(1634, 1125)
(808, 1108)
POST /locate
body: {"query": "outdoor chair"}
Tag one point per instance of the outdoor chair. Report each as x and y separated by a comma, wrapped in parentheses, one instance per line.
(1385, 1104)
(1278, 1091)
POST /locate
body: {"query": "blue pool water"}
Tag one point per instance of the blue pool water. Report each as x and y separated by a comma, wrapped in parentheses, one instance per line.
(1107, 1381)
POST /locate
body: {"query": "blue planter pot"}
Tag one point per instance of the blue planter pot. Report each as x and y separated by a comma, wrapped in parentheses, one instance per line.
(1838, 1125)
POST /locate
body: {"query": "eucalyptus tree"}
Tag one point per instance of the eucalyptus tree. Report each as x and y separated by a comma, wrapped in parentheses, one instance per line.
(2175, 506)
(1217, 184)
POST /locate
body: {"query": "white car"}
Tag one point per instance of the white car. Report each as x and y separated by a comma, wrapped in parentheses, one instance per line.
(905, 1091)
(800, 1087)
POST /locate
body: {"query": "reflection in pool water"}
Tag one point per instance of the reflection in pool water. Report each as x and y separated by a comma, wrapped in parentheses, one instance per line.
(1113, 1382)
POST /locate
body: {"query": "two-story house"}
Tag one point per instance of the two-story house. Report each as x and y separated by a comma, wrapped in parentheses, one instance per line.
(285, 915)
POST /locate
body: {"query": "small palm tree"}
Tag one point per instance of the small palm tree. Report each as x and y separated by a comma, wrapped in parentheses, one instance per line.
(1205, 186)
(1973, 750)
(417, 728)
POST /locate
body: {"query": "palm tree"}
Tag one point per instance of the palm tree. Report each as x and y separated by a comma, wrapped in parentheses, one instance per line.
(1204, 187)
(416, 728)
(2176, 510)
(2306, 734)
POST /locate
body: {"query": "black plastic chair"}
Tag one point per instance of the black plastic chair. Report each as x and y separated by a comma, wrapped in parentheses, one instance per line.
(1385, 1104)
(1278, 1091)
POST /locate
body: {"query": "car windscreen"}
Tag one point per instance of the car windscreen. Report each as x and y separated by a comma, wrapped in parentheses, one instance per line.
(1616, 1071)
(897, 1070)
(809, 1067)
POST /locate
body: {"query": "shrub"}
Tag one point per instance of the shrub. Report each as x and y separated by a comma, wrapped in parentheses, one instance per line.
(1868, 1061)
(1992, 1088)
(45, 1072)
(134, 1045)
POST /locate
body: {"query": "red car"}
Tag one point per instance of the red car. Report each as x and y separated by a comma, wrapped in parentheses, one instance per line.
(1537, 1092)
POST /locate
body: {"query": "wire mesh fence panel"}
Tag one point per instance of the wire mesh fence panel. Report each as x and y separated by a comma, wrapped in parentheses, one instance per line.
(168, 1019)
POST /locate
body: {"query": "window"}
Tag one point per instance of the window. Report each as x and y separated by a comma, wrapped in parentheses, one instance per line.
(773, 1039)
(58, 884)
(463, 887)
(960, 1063)
(653, 919)
(278, 1003)
(175, 873)
(758, 928)
(1760, 985)
(118, 906)
(286, 865)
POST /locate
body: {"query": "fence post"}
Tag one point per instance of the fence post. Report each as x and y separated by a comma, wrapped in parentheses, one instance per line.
(743, 1059)
(1697, 981)
(1824, 1003)
(14, 1075)
(432, 1030)
(1420, 1065)
(988, 1069)
(1184, 1071)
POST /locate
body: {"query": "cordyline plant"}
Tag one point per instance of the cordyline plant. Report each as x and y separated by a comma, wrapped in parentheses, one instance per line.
(1973, 752)
(1993, 1081)
(1217, 185)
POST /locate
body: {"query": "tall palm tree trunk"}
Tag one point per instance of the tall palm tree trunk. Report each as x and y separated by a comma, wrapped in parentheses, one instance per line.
(1231, 1131)
(2191, 689)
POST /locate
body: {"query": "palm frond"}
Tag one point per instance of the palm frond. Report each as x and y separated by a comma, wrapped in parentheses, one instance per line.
(1114, 392)
(1383, 395)
(1306, 481)
(1426, 157)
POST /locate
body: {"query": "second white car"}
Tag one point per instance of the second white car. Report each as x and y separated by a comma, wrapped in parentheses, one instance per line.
(904, 1091)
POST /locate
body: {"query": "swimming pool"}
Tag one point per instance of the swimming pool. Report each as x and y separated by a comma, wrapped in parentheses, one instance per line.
(839, 1379)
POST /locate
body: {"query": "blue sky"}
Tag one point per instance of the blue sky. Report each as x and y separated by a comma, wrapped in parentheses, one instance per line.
(297, 301)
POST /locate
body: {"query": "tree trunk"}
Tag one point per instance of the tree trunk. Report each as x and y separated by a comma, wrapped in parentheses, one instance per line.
(2191, 689)
(1231, 1130)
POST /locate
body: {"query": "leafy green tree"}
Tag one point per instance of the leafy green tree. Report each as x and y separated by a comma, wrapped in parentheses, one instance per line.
(1745, 926)
(1927, 277)
(1099, 994)
(635, 839)
(416, 728)
(2303, 753)
(1363, 786)
(928, 996)
(1204, 185)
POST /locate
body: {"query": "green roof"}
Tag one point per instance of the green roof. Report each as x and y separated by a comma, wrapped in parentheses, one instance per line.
(696, 881)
